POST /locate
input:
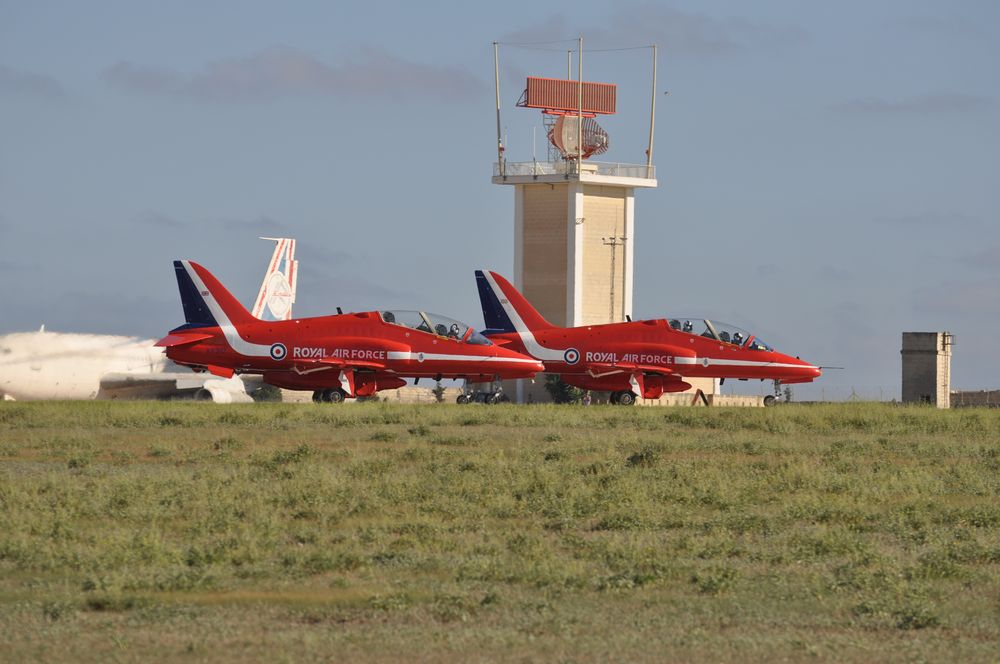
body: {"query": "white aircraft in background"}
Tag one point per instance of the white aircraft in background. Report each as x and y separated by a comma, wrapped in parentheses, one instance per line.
(67, 365)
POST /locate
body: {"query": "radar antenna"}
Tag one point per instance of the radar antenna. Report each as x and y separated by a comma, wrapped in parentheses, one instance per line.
(563, 114)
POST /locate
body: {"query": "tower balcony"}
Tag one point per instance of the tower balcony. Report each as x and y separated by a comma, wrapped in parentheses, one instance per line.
(595, 172)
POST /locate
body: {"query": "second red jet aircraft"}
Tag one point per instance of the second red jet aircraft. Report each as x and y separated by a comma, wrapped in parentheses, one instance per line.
(634, 359)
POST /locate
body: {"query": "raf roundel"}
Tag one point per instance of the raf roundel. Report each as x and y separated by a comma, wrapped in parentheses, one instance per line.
(572, 356)
(278, 351)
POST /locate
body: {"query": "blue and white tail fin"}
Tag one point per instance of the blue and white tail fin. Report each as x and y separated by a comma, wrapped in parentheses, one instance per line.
(207, 304)
(206, 301)
(277, 291)
(504, 308)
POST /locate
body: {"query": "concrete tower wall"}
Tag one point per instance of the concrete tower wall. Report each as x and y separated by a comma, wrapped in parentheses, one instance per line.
(926, 358)
(562, 262)
(544, 231)
(604, 217)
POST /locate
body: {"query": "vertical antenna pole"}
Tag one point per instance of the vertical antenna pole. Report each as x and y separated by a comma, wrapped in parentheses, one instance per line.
(652, 120)
(579, 103)
(496, 77)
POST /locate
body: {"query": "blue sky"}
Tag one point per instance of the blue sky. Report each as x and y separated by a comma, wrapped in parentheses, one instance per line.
(828, 171)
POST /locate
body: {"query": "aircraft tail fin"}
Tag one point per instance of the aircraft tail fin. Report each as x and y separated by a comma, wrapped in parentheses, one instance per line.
(206, 301)
(504, 308)
(277, 292)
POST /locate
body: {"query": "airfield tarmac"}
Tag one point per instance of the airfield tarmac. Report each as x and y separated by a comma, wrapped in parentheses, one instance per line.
(380, 532)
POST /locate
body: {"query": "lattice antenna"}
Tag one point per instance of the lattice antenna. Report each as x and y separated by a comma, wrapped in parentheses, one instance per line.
(569, 108)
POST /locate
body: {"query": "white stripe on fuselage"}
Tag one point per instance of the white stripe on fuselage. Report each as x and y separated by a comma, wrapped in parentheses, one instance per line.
(440, 357)
(534, 348)
(739, 363)
(233, 338)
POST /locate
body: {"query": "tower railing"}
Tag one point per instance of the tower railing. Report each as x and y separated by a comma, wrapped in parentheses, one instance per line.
(569, 168)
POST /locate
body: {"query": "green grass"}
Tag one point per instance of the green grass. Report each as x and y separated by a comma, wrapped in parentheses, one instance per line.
(375, 532)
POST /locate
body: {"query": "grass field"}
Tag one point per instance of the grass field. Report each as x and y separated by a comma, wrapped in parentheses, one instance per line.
(370, 532)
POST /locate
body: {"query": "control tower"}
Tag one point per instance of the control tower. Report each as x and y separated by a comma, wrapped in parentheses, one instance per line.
(574, 219)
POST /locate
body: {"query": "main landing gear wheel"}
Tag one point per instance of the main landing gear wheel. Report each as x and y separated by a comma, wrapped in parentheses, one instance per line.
(769, 400)
(622, 398)
(462, 399)
(333, 395)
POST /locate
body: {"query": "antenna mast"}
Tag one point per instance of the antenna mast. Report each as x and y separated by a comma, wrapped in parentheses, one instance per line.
(496, 78)
(652, 119)
(579, 105)
(613, 242)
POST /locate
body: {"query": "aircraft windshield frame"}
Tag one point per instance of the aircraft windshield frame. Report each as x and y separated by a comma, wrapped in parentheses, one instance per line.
(436, 324)
(718, 331)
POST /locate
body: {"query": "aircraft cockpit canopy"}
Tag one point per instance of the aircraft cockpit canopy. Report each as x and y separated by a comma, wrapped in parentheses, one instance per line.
(442, 326)
(720, 331)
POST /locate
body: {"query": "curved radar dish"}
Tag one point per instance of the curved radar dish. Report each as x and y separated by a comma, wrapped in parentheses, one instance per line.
(565, 133)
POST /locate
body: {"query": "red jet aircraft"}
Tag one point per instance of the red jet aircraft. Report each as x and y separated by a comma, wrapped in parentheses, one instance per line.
(642, 358)
(347, 355)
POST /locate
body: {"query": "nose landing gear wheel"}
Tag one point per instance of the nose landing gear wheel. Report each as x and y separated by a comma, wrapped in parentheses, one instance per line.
(462, 399)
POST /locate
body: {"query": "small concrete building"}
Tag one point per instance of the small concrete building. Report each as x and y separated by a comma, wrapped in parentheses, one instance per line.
(975, 399)
(926, 358)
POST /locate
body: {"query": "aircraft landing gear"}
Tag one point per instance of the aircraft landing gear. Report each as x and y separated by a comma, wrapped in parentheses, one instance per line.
(332, 395)
(772, 399)
(491, 396)
(623, 398)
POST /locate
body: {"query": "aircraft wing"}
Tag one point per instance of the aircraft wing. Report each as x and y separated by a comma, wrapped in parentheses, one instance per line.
(598, 369)
(309, 366)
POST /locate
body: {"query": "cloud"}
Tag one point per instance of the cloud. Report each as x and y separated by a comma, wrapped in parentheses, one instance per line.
(261, 224)
(976, 299)
(542, 33)
(677, 32)
(931, 220)
(28, 85)
(318, 260)
(99, 313)
(768, 270)
(939, 26)
(16, 266)
(158, 220)
(988, 258)
(692, 34)
(830, 273)
(931, 103)
(282, 72)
